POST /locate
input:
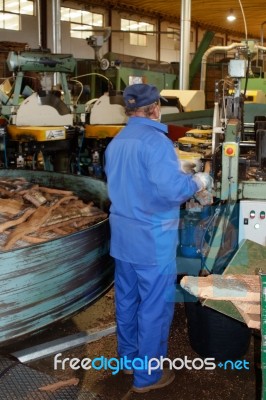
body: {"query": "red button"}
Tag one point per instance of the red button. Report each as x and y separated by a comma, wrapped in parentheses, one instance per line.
(229, 150)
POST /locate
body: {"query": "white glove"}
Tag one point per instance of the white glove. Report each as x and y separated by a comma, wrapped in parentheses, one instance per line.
(204, 197)
(203, 180)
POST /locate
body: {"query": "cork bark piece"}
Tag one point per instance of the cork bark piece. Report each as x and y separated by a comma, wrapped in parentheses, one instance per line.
(227, 287)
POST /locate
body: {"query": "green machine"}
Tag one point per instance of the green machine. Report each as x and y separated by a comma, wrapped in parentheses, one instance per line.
(239, 171)
(26, 62)
(243, 159)
(120, 73)
(38, 111)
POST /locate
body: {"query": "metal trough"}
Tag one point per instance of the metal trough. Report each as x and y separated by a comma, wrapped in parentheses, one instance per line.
(45, 283)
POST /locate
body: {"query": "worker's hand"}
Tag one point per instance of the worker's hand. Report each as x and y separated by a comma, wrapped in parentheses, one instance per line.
(204, 197)
(204, 181)
(188, 167)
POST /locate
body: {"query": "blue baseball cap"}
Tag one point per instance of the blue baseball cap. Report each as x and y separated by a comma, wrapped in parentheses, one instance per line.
(140, 95)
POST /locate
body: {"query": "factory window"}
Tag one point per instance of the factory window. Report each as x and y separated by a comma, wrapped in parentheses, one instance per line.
(81, 22)
(138, 31)
(10, 11)
(173, 33)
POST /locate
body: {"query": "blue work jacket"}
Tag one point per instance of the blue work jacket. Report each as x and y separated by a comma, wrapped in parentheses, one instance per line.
(146, 187)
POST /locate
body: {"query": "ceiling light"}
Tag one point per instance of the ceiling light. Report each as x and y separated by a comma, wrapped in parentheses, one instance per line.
(231, 16)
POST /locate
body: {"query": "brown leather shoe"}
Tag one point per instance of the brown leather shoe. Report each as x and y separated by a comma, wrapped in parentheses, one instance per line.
(167, 378)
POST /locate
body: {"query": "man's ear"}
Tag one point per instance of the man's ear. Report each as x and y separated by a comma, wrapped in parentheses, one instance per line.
(155, 111)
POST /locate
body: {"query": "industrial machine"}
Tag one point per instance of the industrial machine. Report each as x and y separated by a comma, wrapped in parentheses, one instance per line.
(38, 125)
(106, 117)
(235, 155)
(230, 238)
(45, 127)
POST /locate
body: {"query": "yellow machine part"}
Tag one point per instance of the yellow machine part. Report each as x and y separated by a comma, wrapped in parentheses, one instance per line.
(188, 156)
(194, 141)
(37, 133)
(102, 131)
(200, 133)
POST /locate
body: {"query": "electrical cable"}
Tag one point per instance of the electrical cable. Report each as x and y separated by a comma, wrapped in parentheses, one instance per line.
(246, 78)
(244, 19)
(93, 73)
(211, 221)
(228, 204)
(81, 90)
(79, 153)
(225, 82)
(224, 106)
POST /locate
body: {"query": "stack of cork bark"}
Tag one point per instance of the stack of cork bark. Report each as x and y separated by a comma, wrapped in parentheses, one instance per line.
(31, 214)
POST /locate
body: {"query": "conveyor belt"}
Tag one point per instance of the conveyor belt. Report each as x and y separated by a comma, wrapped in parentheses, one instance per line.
(19, 382)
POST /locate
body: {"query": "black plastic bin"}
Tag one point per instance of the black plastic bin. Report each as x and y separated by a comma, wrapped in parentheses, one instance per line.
(213, 334)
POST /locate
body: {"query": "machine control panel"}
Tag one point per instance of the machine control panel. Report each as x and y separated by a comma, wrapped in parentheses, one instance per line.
(252, 222)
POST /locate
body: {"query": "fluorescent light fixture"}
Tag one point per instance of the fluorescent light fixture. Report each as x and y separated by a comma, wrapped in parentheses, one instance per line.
(231, 16)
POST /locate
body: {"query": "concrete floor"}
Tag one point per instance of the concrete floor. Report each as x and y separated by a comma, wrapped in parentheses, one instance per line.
(218, 384)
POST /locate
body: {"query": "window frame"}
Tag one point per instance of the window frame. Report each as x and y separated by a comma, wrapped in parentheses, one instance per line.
(138, 31)
(78, 21)
(7, 15)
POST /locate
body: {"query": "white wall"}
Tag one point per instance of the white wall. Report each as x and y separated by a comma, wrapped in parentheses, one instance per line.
(120, 40)
(28, 34)
(170, 48)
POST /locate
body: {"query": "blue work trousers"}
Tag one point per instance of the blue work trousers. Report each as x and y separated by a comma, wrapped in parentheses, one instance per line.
(144, 299)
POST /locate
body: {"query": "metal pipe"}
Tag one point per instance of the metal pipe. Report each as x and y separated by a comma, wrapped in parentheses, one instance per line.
(185, 44)
(206, 55)
(56, 33)
(158, 40)
(247, 144)
(56, 26)
(257, 46)
(44, 350)
(39, 23)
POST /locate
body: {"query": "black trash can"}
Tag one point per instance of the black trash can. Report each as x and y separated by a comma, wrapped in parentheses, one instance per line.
(213, 334)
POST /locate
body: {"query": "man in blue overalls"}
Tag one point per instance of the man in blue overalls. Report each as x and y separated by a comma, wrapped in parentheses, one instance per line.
(146, 187)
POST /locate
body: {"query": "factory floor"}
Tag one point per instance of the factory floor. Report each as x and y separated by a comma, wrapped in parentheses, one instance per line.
(218, 384)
